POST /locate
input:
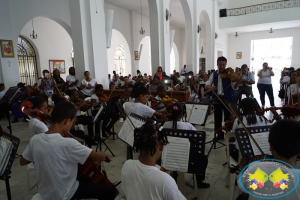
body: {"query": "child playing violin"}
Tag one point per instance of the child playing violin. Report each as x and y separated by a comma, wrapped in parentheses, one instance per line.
(109, 118)
(178, 112)
(56, 160)
(163, 98)
(141, 179)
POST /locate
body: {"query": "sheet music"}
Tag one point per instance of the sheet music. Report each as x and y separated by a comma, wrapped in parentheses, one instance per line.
(126, 132)
(98, 113)
(262, 141)
(175, 156)
(189, 108)
(5, 146)
(7, 158)
(198, 114)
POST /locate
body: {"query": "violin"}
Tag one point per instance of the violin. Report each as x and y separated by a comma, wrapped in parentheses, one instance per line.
(87, 104)
(229, 73)
(89, 170)
(287, 110)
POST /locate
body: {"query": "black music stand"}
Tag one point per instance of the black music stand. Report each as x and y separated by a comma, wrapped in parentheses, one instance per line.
(197, 147)
(112, 104)
(214, 141)
(100, 140)
(7, 172)
(5, 101)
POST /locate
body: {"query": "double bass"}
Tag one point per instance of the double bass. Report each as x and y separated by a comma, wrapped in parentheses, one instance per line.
(89, 170)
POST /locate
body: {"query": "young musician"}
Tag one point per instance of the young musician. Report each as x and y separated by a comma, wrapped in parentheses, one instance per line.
(109, 118)
(88, 84)
(23, 94)
(225, 89)
(71, 79)
(46, 84)
(58, 80)
(161, 93)
(141, 95)
(56, 160)
(141, 179)
(36, 126)
(178, 112)
(81, 119)
(284, 141)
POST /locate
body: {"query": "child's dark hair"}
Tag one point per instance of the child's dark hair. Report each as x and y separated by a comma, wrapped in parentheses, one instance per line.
(71, 92)
(142, 90)
(160, 88)
(98, 86)
(56, 99)
(250, 110)
(1, 84)
(147, 137)
(178, 110)
(222, 58)
(285, 138)
(37, 102)
(62, 111)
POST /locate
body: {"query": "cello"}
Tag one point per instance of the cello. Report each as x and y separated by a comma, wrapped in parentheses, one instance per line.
(89, 170)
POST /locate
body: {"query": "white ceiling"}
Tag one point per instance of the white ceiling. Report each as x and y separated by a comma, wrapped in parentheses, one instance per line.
(263, 27)
(177, 19)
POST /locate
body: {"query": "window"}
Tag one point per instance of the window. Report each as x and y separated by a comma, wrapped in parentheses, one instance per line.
(27, 62)
(120, 61)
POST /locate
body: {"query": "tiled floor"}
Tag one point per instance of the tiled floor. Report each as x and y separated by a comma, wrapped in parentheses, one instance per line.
(215, 173)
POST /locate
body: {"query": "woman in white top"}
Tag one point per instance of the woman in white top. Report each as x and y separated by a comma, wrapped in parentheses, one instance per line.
(178, 112)
(264, 84)
(36, 126)
(294, 91)
(88, 84)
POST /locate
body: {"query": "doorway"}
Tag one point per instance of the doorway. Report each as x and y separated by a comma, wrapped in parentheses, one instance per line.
(277, 52)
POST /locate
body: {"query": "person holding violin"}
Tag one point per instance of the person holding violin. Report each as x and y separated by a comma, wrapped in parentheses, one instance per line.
(88, 84)
(225, 89)
(81, 105)
(58, 80)
(108, 118)
(56, 159)
(163, 99)
(141, 179)
(46, 84)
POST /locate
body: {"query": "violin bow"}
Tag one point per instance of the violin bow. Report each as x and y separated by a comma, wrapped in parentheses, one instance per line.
(111, 92)
(232, 111)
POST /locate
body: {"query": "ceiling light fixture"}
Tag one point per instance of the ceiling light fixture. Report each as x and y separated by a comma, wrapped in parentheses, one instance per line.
(33, 35)
(271, 31)
(236, 34)
(142, 30)
(168, 15)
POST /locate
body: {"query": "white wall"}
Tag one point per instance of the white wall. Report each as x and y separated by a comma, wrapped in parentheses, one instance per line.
(117, 40)
(53, 43)
(243, 44)
(144, 62)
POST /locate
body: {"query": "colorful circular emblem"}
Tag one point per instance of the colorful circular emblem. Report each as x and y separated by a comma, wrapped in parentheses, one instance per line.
(268, 179)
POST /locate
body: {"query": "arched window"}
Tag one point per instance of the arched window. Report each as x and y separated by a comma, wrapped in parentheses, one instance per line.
(27, 62)
(120, 60)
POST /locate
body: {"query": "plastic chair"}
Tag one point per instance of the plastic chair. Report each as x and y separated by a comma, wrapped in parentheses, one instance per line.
(37, 197)
(30, 168)
(230, 161)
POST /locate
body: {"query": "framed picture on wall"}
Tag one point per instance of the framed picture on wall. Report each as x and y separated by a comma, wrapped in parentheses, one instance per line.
(136, 55)
(238, 55)
(57, 64)
(7, 48)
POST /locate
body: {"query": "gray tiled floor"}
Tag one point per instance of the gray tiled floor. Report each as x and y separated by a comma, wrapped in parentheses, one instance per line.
(215, 174)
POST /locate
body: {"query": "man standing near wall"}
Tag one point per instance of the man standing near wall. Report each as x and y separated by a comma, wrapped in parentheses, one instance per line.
(183, 71)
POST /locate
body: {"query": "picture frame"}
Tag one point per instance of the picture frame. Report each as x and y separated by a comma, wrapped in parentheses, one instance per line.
(7, 48)
(136, 55)
(239, 55)
(57, 64)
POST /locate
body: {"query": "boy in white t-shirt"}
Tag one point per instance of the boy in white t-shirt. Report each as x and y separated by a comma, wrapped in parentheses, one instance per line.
(284, 141)
(141, 179)
(71, 79)
(56, 160)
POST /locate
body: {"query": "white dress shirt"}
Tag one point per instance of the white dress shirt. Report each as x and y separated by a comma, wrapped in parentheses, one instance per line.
(220, 85)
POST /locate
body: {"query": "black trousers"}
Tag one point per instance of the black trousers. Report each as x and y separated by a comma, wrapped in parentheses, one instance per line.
(218, 114)
(94, 191)
(86, 120)
(80, 134)
(108, 121)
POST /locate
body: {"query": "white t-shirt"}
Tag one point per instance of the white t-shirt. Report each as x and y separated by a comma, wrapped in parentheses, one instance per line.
(265, 77)
(181, 78)
(48, 89)
(37, 127)
(2, 93)
(292, 89)
(56, 161)
(71, 79)
(94, 96)
(88, 90)
(141, 181)
(139, 109)
(180, 125)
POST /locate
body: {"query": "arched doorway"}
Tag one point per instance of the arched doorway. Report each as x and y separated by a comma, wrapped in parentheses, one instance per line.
(120, 61)
(27, 62)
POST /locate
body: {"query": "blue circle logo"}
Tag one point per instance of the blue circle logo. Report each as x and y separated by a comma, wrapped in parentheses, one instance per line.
(268, 179)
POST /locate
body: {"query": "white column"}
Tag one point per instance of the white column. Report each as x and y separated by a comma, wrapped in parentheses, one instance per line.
(99, 43)
(213, 53)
